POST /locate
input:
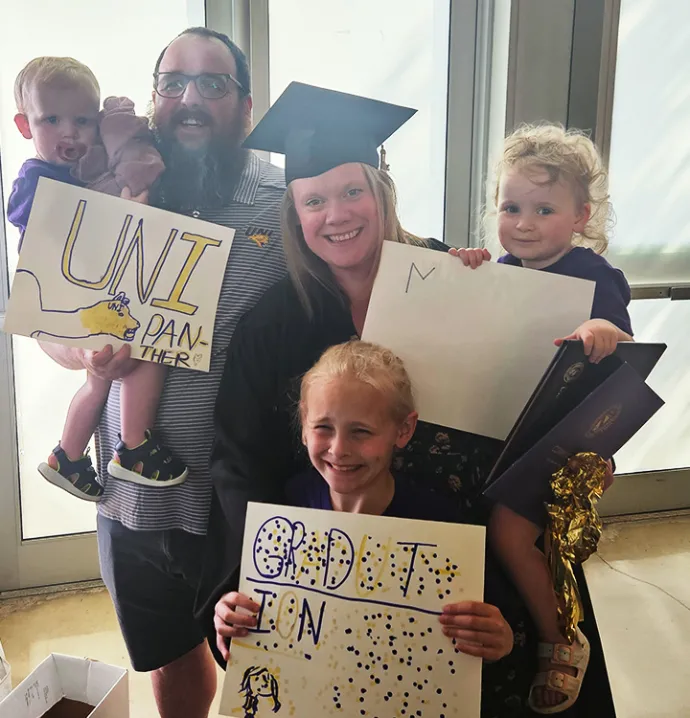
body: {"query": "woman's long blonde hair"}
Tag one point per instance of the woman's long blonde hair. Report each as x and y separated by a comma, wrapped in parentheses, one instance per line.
(305, 267)
(567, 155)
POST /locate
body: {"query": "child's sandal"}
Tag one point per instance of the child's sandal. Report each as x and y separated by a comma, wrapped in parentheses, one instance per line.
(575, 656)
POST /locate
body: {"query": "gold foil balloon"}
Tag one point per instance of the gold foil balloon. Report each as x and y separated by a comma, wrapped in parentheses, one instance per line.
(573, 530)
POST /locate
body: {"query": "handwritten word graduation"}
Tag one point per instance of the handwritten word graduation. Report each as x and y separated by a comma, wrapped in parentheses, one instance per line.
(384, 572)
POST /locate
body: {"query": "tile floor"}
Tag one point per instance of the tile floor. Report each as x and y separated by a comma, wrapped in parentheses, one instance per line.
(640, 587)
(79, 624)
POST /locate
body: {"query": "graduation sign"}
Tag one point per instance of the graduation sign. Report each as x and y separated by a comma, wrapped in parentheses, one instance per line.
(348, 622)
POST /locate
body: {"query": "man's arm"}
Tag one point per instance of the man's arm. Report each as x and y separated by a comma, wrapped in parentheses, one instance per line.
(105, 364)
(66, 357)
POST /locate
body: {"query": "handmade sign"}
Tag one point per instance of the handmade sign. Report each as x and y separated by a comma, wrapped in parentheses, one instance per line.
(488, 333)
(97, 270)
(349, 624)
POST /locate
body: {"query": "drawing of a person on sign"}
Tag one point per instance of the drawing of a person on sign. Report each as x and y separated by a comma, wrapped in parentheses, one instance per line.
(259, 686)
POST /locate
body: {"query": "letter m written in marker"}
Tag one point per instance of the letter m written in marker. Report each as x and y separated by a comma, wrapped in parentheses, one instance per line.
(415, 268)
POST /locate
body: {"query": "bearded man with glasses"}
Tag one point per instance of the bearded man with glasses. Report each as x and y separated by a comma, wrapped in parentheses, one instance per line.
(200, 118)
(151, 541)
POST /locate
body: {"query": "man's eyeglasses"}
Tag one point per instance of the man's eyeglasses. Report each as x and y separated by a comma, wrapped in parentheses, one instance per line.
(210, 85)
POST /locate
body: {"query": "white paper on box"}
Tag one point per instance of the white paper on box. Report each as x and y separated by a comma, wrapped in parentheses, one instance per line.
(36, 694)
(475, 342)
(102, 682)
(73, 676)
(89, 682)
(98, 684)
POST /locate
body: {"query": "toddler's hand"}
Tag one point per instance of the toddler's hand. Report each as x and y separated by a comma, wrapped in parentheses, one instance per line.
(600, 338)
(471, 257)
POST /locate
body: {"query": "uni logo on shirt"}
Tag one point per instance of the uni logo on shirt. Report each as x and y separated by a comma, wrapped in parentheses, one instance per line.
(258, 235)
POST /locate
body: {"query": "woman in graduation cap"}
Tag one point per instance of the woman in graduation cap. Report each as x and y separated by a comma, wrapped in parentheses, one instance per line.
(338, 210)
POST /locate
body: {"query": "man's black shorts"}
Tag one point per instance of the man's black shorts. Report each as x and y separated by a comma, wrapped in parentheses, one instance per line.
(152, 577)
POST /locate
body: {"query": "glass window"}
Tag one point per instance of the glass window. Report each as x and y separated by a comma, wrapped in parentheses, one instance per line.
(399, 54)
(663, 442)
(120, 43)
(649, 167)
(650, 153)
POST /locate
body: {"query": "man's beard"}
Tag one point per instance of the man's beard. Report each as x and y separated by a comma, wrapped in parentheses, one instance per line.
(203, 177)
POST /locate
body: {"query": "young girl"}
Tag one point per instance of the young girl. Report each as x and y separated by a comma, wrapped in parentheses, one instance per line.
(356, 408)
(58, 101)
(553, 210)
(553, 215)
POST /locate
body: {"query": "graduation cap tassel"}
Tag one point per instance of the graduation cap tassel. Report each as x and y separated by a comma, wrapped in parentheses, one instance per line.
(573, 530)
(382, 162)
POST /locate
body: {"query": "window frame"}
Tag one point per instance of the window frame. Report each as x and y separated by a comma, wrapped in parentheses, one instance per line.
(561, 89)
(37, 562)
(247, 22)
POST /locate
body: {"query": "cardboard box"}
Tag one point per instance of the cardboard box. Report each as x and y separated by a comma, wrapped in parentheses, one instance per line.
(81, 680)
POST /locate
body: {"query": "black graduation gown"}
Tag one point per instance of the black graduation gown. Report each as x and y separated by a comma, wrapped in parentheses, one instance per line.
(257, 448)
(257, 451)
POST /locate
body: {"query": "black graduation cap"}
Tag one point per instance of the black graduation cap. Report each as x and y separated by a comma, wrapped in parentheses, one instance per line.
(318, 129)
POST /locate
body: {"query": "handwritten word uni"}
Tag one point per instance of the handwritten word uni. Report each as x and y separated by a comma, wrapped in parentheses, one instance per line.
(119, 261)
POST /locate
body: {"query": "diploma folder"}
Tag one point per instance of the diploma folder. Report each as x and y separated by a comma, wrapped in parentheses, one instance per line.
(577, 406)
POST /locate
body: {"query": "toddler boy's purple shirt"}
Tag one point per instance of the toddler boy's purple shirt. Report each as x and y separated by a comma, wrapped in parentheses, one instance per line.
(24, 189)
(611, 293)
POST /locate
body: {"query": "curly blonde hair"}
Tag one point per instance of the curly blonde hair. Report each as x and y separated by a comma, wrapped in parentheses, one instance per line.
(368, 363)
(46, 70)
(304, 266)
(568, 155)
